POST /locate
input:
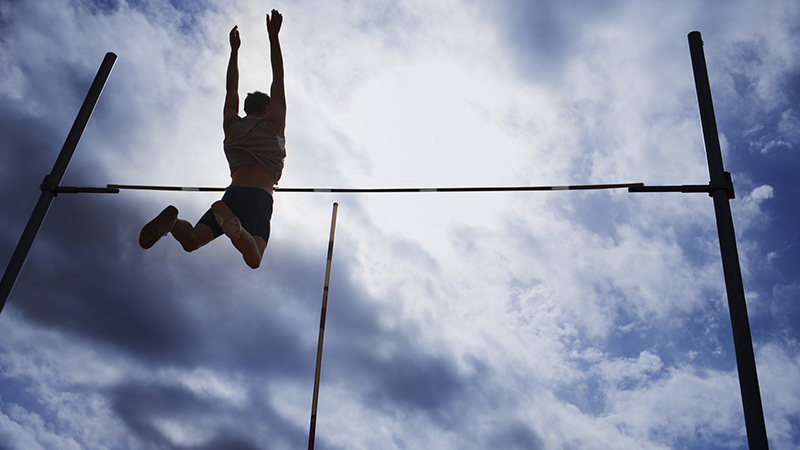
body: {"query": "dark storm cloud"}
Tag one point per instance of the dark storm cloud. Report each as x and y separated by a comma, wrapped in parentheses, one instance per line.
(35, 125)
(86, 276)
(23, 169)
(228, 439)
(128, 305)
(143, 405)
(423, 383)
(543, 31)
(100, 297)
(516, 436)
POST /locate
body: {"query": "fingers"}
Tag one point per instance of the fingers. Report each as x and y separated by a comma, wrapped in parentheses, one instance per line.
(274, 22)
(234, 37)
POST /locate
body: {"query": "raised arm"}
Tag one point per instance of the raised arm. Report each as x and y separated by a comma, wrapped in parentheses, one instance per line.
(230, 111)
(277, 111)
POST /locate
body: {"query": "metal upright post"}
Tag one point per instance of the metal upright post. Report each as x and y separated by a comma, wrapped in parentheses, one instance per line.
(50, 184)
(721, 190)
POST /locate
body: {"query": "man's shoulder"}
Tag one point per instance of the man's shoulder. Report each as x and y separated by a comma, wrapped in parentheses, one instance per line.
(240, 120)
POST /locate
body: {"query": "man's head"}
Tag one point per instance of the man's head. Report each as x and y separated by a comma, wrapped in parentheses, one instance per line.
(255, 103)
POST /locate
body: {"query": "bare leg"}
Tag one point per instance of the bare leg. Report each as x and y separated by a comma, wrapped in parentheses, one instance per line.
(191, 238)
(251, 248)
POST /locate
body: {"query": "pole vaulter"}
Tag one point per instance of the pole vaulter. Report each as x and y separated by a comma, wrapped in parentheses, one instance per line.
(720, 188)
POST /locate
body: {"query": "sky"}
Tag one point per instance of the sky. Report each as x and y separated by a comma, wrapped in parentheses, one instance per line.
(522, 320)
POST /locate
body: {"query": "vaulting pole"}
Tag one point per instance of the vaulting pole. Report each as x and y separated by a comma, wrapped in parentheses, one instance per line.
(722, 192)
(313, 429)
(50, 184)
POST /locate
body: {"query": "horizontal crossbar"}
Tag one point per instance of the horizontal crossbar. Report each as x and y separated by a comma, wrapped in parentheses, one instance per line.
(83, 190)
(580, 187)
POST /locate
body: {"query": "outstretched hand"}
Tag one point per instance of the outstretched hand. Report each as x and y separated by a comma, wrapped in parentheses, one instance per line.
(235, 41)
(274, 23)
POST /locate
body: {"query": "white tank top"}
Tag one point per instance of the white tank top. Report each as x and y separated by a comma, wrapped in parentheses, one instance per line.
(250, 142)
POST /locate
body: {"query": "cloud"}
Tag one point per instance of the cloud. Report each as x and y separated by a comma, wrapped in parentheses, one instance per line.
(679, 410)
(524, 320)
(778, 365)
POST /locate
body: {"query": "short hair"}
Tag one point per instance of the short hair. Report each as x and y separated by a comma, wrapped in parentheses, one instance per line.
(255, 102)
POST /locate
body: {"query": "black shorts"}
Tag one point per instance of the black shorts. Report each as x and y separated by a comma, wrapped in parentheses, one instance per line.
(253, 207)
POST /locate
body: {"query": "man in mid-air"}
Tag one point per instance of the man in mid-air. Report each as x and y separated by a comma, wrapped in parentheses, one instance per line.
(255, 150)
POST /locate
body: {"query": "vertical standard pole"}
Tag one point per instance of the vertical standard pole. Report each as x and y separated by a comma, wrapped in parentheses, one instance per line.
(742, 340)
(313, 429)
(52, 181)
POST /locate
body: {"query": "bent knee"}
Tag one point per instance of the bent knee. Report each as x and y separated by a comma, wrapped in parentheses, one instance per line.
(219, 207)
(191, 244)
(253, 263)
(189, 247)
